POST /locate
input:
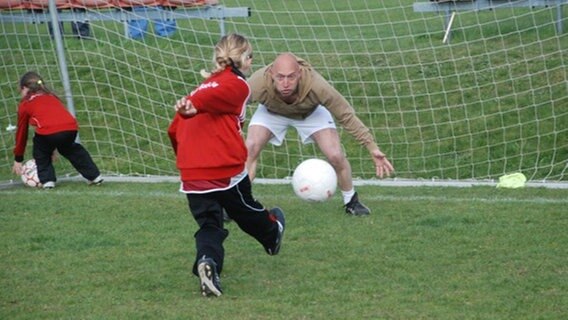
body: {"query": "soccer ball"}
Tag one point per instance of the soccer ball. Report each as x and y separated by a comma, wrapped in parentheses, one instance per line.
(314, 180)
(29, 174)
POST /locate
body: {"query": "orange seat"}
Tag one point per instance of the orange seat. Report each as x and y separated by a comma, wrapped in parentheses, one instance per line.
(11, 4)
(44, 4)
(93, 4)
(189, 3)
(181, 3)
(137, 3)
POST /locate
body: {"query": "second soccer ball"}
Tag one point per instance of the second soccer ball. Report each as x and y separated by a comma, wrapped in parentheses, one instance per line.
(29, 174)
(314, 180)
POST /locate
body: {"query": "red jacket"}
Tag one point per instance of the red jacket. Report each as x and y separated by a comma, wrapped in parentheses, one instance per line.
(47, 114)
(210, 145)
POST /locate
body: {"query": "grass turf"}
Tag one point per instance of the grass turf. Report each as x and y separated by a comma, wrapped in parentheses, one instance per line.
(124, 251)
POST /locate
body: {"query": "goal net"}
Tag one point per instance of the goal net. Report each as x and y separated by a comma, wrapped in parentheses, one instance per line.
(490, 100)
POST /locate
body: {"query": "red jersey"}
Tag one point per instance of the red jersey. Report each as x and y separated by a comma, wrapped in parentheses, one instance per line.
(209, 146)
(46, 113)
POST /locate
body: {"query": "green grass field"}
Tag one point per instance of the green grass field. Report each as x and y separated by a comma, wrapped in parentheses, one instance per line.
(492, 102)
(124, 251)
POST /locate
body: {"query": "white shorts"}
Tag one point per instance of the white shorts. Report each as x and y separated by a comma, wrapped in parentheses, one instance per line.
(319, 119)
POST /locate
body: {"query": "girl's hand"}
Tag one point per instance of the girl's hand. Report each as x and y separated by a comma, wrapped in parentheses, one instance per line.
(17, 168)
(185, 108)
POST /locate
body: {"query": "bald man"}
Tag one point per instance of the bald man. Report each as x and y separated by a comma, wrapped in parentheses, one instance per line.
(291, 93)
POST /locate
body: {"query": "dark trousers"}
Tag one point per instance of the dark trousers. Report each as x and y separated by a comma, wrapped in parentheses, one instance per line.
(79, 29)
(64, 143)
(249, 214)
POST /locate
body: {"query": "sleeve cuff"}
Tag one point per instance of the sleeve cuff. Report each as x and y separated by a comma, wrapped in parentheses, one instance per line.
(372, 146)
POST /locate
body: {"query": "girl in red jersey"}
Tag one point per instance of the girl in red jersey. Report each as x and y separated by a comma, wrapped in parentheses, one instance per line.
(55, 129)
(210, 155)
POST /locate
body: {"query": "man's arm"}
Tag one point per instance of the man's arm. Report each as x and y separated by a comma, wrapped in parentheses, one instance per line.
(345, 115)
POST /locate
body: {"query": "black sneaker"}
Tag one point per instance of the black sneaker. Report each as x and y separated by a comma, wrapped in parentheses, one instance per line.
(210, 282)
(281, 221)
(356, 208)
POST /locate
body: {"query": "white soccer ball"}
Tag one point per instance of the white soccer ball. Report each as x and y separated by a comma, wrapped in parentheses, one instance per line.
(29, 174)
(314, 180)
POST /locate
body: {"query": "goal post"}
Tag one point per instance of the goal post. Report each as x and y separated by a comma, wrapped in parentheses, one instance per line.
(492, 101)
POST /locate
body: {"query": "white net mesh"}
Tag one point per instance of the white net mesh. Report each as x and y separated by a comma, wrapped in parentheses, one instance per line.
(491, 101)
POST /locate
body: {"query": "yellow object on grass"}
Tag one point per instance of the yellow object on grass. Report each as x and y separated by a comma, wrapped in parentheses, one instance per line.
(512, 181)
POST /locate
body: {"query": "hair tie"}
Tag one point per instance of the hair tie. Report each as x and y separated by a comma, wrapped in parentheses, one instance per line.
(40, 82)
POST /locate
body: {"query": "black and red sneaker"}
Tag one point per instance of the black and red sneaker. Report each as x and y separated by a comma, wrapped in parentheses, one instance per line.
(281, 221)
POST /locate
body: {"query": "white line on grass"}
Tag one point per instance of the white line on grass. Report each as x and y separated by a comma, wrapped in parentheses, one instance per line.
(174, 194)
(395, 182)
(474, 199)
